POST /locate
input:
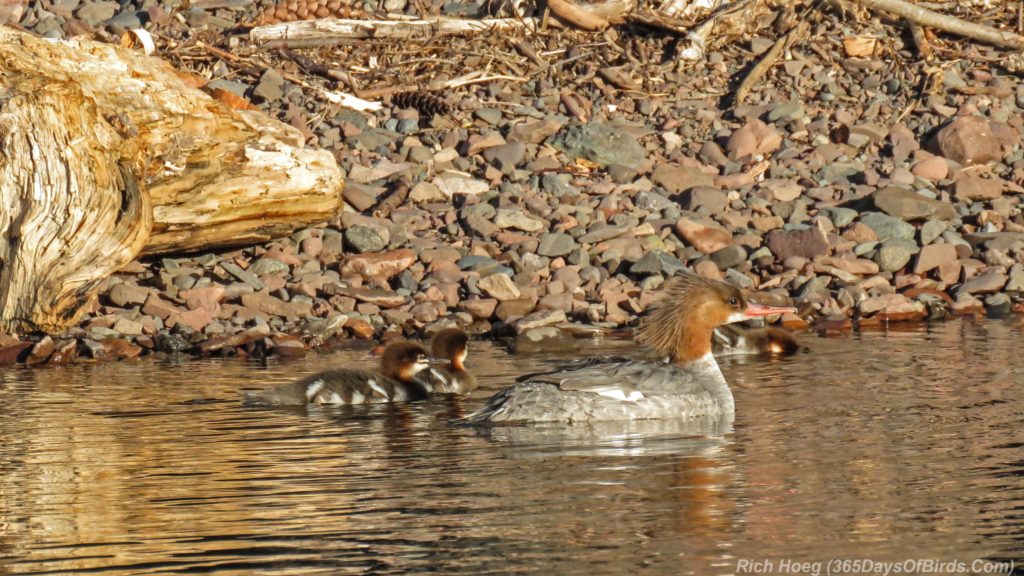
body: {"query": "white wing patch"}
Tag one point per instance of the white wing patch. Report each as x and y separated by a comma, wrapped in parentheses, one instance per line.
(620, 394)
(357, 397)
(313, 389)
(377, 387)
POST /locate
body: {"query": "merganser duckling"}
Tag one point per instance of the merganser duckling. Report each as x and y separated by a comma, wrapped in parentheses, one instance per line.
(688, 384)
(394, 382)
(451, 344)
(732, 339)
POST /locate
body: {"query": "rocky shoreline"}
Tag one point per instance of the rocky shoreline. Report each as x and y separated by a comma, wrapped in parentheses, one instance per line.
(861, 190)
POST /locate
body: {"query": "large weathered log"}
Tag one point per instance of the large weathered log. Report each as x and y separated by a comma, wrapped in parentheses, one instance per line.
(105, 153)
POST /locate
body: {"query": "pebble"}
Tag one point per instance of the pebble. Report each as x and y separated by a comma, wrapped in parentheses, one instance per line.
(909, 205)
(601, 143)
(967, 140)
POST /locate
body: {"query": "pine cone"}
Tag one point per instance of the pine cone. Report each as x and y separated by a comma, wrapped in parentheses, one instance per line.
(292, 10)
(425, 103)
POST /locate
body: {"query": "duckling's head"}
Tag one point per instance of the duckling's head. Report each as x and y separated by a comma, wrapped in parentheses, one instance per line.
(403, 361)
(681, 323)
(451, 344)
(781, 342)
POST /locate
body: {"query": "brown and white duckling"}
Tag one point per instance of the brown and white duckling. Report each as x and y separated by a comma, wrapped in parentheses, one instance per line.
(394, 382)
(688, 385)
(451, 344)
(732, 339)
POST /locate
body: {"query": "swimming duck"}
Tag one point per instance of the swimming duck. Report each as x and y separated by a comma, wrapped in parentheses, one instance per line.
(396, 381)
(688, 384)
(451, 344)
(732, 339)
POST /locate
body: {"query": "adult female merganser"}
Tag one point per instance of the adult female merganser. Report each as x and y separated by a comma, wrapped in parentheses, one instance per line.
(689, 384)
(451, 344)
(395, 382)
(732, 339)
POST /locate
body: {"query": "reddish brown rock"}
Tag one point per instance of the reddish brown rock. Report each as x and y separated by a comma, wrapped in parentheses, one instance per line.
(480, 308)
(15, 353)
(704, 237)
(126, 294)
(116, 348)
(196, 319)
(41, 351)
(235, 340)
(534, 132)
(970, 188)
(275, 306)
(205, 297)
(676, 179)
(934, 168)
(806, 243)
(65, 353)
(288, 346)
(967, 140)
(859, 266)
(755, 137)
(360, 328)
(512, 309)
(934, 255)
(382, 265)
(157, 306)
(860, 232)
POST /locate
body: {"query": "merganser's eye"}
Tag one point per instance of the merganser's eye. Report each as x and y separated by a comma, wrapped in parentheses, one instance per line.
(734, 301)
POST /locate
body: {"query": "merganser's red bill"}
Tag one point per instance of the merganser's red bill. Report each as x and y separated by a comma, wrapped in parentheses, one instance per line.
(754, 310)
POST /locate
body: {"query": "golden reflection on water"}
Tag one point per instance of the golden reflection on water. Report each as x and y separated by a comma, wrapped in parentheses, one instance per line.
(881, 445)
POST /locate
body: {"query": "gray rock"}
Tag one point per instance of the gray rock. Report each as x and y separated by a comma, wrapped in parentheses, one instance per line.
(657, 262)
(603, 231)
(729, 257)
(909, 205)
(243, 275)
(650, 200)
(553, 244)
(712, 199)
(518, 219)
(506, 157)
(558, 184)
(841, 217)
(94, 13)
(364, 239)
(786, 111)
(895, 254)
(601, 143)
(171, 344)
(991, 281)
(271, 86)
(268, 266)
(491, 116)
(886, 227)
(931, 230)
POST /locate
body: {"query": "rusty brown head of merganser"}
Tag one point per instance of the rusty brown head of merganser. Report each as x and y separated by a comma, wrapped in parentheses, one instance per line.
(681, 323)
(452, 345)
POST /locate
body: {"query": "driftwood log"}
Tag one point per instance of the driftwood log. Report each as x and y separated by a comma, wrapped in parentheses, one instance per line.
(106, 154)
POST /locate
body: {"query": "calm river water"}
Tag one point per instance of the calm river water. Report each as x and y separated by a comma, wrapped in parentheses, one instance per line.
(884, 446)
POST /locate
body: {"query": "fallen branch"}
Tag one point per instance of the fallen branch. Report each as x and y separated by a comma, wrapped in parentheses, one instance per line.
(571, 13)
(330, 29)
(768, 61)
(930, 19)
(105, 152)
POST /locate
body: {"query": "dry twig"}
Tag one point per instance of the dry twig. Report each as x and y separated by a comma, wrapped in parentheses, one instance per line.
(768, 61)
(930, 19)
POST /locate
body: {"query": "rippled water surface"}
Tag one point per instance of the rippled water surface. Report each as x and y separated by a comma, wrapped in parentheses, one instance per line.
(882, 445)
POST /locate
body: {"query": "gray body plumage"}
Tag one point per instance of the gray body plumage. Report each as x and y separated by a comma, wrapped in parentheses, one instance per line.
(595, 390)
